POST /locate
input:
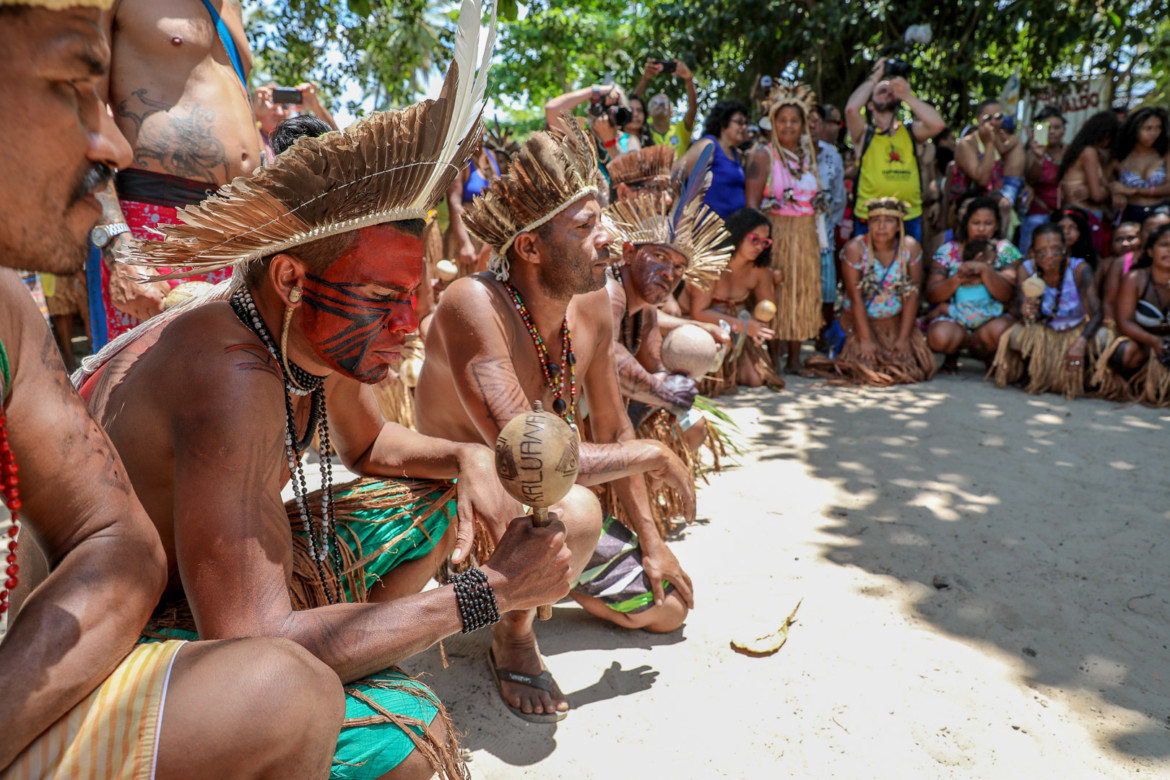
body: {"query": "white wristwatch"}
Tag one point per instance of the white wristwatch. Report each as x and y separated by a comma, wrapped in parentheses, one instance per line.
(102, 235)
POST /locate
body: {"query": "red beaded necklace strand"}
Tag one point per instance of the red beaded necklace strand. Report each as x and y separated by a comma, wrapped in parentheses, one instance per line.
(9, 481)
(556, 377)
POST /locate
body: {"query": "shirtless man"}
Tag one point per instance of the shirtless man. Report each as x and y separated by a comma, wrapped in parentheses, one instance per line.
(218, 429)
(483, 368)
(180, 98)
(239, 708)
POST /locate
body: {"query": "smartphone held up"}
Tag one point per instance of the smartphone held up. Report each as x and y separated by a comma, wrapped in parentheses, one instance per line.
(287, 95)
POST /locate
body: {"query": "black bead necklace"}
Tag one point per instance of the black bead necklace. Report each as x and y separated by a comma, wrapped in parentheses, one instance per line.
(322, 538)
(560, 378)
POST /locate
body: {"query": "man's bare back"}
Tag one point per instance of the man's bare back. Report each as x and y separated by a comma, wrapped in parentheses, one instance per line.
(174, 92)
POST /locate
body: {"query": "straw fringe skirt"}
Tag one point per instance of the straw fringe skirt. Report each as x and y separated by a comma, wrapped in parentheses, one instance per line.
(725, 379)
(848, 369)
(665, 505)
(306, 591)
(796, 254)
(1036, 351)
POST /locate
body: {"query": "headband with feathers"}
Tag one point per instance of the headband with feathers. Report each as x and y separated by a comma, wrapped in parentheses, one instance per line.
(552, 170)
(646, 163)
(689, 227)
(390, 167)
(796, 95)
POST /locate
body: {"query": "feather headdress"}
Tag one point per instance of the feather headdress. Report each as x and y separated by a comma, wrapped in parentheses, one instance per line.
(390, 167)
(500, 141)
(552, 171)
(796, 95)
(689, 227)
(889, 207)
(646, 163)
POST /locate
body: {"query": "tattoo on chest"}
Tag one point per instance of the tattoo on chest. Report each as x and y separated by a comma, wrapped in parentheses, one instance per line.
(184, 145)
(498, 387)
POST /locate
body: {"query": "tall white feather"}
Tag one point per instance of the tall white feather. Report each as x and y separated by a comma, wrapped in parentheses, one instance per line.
(469, 93)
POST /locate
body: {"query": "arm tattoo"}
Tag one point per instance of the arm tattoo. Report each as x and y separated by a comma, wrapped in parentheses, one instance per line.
(634, 380)
(499, 388)
(184, 145)
(597, 459)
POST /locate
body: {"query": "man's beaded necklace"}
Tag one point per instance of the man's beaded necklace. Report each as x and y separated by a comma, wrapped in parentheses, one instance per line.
(560, 378)
(322, 538)
(9, 483)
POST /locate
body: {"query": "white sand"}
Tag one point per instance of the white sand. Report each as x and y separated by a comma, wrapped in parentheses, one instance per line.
(1041, 655)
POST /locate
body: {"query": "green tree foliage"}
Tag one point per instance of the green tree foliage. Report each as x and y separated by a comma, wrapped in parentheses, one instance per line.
(547, 47)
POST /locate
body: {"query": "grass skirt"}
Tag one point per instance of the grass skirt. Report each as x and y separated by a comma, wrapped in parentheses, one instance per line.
(796, 254)
(665, 505)
(848, 369)
(725, 379)
(1036, 351)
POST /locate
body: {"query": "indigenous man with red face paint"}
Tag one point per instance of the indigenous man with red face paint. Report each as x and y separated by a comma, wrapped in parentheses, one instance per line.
(77, 698)
(538, 328)
(226, 395)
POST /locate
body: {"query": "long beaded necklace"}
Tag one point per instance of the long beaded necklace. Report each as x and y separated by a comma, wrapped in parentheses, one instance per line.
(9, 482)
(322, 538)
(560, 379)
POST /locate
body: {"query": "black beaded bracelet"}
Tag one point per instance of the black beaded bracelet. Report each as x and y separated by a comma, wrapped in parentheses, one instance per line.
(476, 600)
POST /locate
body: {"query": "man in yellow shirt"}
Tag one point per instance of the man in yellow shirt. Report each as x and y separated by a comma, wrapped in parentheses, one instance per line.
(887, 157)
(665, 133)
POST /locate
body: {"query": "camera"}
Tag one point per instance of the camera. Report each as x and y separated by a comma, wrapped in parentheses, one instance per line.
(287, 95)
(620, 115)
(667, 66)
(896, 67)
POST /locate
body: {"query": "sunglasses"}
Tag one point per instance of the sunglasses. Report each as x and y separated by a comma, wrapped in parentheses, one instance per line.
(760, 241)
(993, 117)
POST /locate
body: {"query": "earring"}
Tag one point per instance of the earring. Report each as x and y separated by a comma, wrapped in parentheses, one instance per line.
(294, 296)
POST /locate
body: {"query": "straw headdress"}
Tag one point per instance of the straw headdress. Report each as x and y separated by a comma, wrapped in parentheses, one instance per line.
(552, 170)
(689, 227)
(888, 207)
(646, 163)
(796, 95)
(59, 5)
(390, 167)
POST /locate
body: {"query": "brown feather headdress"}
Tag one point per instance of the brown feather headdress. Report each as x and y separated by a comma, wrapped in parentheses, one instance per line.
(390, 167)
(646, 163)
(796, 95)
(551, 171)
(689, 227)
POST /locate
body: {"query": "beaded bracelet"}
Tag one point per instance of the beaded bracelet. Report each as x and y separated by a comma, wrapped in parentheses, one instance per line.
(476, 600)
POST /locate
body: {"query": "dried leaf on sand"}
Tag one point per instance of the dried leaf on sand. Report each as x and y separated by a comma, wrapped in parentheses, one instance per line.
(769, 643)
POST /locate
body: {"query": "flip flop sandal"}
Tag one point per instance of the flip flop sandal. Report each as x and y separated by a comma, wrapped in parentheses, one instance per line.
(542, 682)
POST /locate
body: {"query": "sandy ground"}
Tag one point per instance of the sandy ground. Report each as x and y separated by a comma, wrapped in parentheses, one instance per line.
(986, 594)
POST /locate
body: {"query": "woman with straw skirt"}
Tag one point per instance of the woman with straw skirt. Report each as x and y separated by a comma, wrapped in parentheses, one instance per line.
(882, 274)
(1133, 366)
(733, 302)
(782, 180)
(1059, 313)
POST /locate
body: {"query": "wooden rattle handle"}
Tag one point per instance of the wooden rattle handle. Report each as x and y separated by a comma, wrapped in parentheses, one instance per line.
(540, 520)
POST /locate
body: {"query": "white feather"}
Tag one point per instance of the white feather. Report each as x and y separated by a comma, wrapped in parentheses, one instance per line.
(469, 91)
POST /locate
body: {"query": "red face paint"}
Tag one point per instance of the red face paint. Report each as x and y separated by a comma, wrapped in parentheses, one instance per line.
(359, 311)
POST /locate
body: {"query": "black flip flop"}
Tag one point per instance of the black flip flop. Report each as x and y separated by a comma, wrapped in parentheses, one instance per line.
(542, 682)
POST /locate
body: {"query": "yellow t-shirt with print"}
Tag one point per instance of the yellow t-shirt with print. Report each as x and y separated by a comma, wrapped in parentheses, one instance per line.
(889, 169)
(677, 136)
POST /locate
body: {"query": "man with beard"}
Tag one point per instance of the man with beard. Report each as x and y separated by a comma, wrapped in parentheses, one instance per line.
(538, 328)
(178, 88)
(676, 135)
(214, 403)
(77, 698)
(887, 157)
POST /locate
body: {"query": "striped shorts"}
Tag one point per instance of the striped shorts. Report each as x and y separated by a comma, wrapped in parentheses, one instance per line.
(113, 733)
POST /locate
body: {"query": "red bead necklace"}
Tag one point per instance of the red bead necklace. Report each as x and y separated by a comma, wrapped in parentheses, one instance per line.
(556, 377)
(9, 480)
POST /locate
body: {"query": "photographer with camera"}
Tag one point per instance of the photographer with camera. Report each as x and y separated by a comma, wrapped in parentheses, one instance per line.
(660, 109)
(272, 105)
(608, 113)
(887, 157)
(991, 161)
